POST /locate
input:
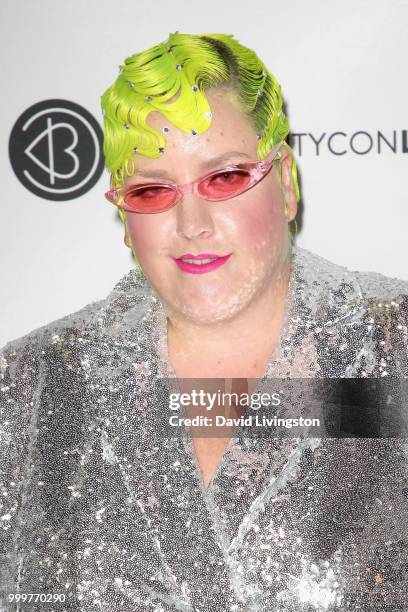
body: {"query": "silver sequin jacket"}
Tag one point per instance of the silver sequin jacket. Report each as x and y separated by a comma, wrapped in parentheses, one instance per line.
(95, 506)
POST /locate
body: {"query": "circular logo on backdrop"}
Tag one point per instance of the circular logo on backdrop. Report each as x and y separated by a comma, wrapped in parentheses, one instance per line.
(55, 150)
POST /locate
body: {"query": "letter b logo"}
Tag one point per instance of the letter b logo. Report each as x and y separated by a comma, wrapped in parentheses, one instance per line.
(55, 150)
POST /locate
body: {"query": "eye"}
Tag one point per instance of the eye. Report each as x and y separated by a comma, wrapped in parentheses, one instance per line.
(149, 197)
(229, 177)
(225, 183)
(146, 193)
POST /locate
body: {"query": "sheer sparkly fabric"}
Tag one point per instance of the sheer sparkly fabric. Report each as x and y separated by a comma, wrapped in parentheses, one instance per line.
(95, 505)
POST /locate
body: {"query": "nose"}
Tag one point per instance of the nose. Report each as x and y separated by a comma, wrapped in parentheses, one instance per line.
(193, 217)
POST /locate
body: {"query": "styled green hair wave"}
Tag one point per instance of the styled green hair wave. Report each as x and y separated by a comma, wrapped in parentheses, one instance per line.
(183, 68)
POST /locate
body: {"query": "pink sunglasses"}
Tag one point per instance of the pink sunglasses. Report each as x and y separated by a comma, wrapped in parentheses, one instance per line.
(216, 186)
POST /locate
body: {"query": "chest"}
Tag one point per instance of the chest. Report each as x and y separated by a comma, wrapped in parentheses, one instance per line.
(208, 453)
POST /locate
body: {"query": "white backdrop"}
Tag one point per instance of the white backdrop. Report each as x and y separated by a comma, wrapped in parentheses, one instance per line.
(342, 67)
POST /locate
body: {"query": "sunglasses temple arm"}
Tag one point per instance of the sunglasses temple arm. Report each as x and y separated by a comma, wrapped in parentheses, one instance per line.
(275, 149)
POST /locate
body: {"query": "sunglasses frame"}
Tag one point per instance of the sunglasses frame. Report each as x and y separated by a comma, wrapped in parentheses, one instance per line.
(257, 169)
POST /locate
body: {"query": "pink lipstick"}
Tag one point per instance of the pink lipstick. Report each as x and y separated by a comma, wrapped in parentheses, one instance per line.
(204, 262)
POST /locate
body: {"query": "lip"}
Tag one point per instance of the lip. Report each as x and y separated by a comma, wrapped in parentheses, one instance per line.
(198, 256)
(198, 268)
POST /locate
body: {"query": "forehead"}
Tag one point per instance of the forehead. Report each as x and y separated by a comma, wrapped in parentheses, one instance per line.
(230, 131)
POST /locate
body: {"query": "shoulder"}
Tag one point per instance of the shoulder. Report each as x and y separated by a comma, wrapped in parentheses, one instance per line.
(369, 305)
(386, 301)
(20, 351)
(369, 286)
(124, 305)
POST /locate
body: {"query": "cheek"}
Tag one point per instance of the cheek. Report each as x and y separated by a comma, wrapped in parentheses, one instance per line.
(260, 226)
(145, 234)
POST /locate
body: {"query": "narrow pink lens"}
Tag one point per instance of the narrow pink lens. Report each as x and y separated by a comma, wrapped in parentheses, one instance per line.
(150, 198)
(225, 184)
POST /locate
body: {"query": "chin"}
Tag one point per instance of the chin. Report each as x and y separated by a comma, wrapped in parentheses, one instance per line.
(209, 308)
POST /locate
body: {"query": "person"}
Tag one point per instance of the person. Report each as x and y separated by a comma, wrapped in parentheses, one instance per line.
(101, 506)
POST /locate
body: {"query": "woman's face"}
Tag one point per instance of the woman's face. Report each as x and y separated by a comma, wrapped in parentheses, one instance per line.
(251, 228)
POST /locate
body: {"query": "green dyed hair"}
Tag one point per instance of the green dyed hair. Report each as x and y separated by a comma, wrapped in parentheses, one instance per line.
(182, 68)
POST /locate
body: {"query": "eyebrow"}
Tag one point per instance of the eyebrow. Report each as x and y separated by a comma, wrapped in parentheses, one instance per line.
(214, 162)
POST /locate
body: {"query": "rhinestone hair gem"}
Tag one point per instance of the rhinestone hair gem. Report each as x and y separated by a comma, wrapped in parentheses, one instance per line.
(126, 125)
(161, 149)
(194, 88)
(194, 132)
(178, 67)
(208, 114)
(135, 149)
(165, 129)
(148, 99)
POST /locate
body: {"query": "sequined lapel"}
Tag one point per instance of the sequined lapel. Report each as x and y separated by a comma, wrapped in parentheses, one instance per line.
(152, 477)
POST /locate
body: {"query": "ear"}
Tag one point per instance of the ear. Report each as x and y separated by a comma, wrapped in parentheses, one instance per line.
(126, 238)
(288, 187)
